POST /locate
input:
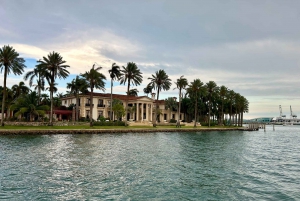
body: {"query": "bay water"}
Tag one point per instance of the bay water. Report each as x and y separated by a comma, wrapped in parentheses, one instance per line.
(228, 165)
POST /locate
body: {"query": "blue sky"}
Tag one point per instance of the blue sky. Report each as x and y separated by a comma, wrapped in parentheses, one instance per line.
(251, 47)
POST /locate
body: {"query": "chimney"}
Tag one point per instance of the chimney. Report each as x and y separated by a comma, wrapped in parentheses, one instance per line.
(153, 95)
(175, 98)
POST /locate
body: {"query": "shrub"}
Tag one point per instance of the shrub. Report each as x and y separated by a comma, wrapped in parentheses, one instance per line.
(206, 124)
(109, 123)
(173, 121)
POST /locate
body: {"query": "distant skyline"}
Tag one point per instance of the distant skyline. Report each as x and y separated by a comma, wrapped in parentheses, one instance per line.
(251, 47)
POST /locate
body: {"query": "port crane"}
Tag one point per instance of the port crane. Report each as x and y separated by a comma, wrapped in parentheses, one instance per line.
(294, 116)
(280, 110)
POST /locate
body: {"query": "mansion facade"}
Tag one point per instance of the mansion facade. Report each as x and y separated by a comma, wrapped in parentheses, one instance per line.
(144, 107)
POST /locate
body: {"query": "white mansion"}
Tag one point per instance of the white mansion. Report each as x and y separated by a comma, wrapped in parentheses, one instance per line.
(144, 107)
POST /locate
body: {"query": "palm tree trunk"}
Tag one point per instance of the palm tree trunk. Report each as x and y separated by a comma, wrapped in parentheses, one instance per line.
(4, 95)
(111, 88)
(196, 106)
(178, 117)
(77, 107)
(51, 99)
(126, 106)
(157, 107)
(91, 106)
(209, 112)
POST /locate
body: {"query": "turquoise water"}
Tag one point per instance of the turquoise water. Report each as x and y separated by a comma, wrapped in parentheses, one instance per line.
(153, 166)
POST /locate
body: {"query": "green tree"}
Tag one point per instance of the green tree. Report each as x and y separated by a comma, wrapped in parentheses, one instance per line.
(170, 104)
(9, 62)
(53, 66)
(28, 103)
(131, 74)
(194, 90)
(181, 83)
(20, 89)
(40, 82)
(119, 110)
(159, 81)
(148, 89)
(95, 80)
(223, 92)
(211, 87)
(133, 92)
(114, 74)
(76, 86)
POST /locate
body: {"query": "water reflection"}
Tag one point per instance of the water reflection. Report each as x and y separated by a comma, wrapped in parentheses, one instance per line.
(176, 166)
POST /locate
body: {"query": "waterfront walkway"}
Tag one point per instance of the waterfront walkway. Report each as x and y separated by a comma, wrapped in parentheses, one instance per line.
(108, 131)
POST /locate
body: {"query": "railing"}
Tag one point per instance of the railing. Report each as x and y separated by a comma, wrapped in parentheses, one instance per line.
(88, 104)
(100, 105)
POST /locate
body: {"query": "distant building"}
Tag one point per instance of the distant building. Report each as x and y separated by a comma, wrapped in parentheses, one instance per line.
(101, 107)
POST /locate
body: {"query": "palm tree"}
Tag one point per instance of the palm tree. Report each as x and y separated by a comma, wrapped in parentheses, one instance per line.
(53, 66)
(77, 85)
(211, 87)
(244, 108)
(194, 90)
(20, 89)
(114, 73)
(133, 92)
(148, 89)
(131, 74)
(230, 97)
(28, 103)
(40, 82)
(10, 62)
(223, 92)
(181, 83)
(95, 80)
(159, 81)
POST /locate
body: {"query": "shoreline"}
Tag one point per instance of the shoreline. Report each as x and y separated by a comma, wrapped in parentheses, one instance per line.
(113, 131)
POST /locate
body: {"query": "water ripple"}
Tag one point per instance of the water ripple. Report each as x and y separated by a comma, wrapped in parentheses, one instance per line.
(159, 166)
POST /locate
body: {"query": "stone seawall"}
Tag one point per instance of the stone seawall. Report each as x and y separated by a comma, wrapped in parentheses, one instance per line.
(108, 131)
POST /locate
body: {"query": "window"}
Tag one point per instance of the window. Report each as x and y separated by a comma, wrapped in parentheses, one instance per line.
(165, 116)
(88, 101)
(173, 116)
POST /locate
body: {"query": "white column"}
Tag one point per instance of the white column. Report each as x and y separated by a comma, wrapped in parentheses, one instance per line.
(142, 112)
(151, 112)
(137, 111)
(147, 110)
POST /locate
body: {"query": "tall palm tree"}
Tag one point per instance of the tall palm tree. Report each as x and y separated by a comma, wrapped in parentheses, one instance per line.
(40, 82)
(160, 80)
(223, 92)
(194, 90)
(131, 74)
(95, 80)
(114, 74)
(77, 85)
(244, 108)
(230, 97)
(211, 87)
(53, 66)
(181, 83)
(9, 62)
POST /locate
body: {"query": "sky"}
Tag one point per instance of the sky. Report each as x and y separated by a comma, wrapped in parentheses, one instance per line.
(251, 47)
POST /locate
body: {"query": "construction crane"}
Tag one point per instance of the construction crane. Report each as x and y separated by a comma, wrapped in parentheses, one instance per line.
(280, 110)
(292, 115)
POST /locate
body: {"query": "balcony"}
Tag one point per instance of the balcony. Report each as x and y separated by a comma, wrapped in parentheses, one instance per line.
(88, 104)
(100, 105)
